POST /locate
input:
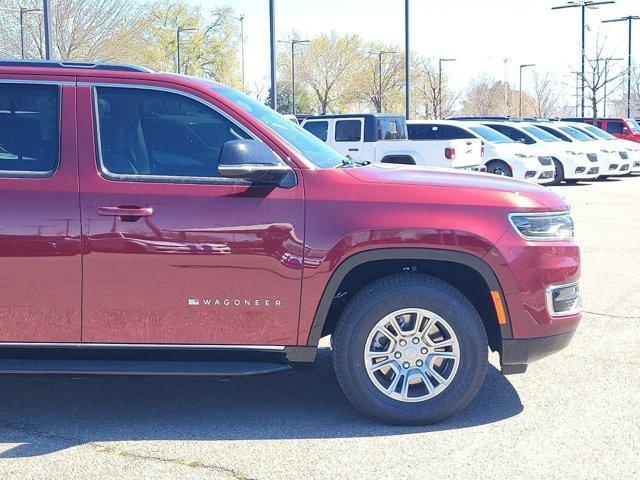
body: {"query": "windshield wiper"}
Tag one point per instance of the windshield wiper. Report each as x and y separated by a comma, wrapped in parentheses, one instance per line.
(350, 162)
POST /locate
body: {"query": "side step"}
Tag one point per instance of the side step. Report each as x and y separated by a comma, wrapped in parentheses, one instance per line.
(137, 367)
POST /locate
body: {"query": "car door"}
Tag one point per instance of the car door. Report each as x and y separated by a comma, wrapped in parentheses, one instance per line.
(349, 137)
(175, 254)
(40, 249)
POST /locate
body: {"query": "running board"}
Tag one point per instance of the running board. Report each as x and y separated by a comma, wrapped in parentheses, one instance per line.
(132, 367)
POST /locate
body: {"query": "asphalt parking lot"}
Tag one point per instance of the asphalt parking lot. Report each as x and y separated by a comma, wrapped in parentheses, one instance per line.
(573, 415)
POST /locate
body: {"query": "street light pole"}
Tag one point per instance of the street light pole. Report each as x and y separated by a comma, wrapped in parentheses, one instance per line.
(407, 69)
(440, 60)
(293, 43)
(21, 12)
(583, 5)
(380, 54)
(47, 29)
(241, 20)
(272, 43)
(179, 30)
(525, 65)
(629, 19)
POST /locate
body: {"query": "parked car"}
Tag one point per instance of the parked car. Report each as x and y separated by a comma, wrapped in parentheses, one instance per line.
(572, 163)
(624, 128)
(164, 224)
(293, 118)
(610, 160)
(383, 138)
(632, 149)
(500, 154)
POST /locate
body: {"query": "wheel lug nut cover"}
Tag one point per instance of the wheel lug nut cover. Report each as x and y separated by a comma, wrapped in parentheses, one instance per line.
(403, 343)
(406, 365)
(419, 363)
(423, 350)
(398, 355)
(416, 340)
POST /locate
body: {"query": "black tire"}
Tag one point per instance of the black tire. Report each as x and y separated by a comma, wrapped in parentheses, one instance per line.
(379, 299)
(571, 181)
(498, 167)
(603, 177)
(559, 177)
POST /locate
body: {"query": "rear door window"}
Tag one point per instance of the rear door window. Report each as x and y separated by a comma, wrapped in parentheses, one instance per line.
(319, 128)
(29, 129)
(348, 131)
(421, 131)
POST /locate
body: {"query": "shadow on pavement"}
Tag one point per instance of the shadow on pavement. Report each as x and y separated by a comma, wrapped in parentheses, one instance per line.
(44, 414)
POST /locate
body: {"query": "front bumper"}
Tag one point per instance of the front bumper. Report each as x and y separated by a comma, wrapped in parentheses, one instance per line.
(517, 353)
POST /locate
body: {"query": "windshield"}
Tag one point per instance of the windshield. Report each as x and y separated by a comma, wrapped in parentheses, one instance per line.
(315, 150)
(491, 135)
(635, 127)
(540, 134)
(599, 132)
(575, 133)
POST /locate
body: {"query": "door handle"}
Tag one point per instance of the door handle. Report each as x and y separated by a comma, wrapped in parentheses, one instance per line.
(131, 212)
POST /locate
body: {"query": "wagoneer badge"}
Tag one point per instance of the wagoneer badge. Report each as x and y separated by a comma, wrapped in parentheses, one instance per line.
(235, 302)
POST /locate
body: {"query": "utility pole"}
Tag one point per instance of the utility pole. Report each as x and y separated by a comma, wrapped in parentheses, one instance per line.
(629, 19)
(272, 43)
(47, 29)
(407, 69)
(380, 54)
(293, 43)
(241, 20)
(526, 65)
(583, 5)
(179, 30)
(440, 61)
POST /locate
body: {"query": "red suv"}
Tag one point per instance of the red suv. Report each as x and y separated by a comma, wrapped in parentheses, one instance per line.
(625, 128)
(162, 224)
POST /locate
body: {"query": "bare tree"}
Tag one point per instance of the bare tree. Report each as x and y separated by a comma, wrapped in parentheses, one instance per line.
(427, 98)
(81, 29)
(601, 77)
(381, 77)
(545, 95)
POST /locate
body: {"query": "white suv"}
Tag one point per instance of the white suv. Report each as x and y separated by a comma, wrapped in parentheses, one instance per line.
(573, 162)
(500, 155)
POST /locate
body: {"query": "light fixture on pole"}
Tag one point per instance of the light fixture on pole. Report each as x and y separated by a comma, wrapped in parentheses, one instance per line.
(179, 30)
(241, 20)
(380, 54)
(525, 65)
(293, 43)
(583, 5)
(440, 61)
(629, 19)
(21, 12)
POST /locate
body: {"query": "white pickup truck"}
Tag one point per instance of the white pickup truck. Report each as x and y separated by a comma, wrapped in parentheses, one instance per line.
(383, 138)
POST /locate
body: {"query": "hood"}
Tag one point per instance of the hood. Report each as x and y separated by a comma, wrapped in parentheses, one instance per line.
(381, 173)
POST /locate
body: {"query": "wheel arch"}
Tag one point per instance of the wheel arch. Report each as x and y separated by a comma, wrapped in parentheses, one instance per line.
(467, 272)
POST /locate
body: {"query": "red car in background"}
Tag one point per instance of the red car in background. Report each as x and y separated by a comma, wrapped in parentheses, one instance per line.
(625, 128)
(162, 224)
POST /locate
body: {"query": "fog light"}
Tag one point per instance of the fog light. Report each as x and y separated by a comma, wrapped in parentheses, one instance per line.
(529, 174)
(613, 166)
(624, 168)
(579, 169)
(593, 171)
(564, 299)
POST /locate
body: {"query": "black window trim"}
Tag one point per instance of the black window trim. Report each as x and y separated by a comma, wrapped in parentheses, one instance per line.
(187, 180)
(39, 175)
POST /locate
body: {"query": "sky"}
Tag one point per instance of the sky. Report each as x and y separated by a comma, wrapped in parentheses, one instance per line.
(480, 34)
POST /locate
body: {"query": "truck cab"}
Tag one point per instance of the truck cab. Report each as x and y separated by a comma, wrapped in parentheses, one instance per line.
(385, 138)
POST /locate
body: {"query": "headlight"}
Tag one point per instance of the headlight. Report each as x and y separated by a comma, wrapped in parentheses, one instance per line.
(543, 226)
(523, 155)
